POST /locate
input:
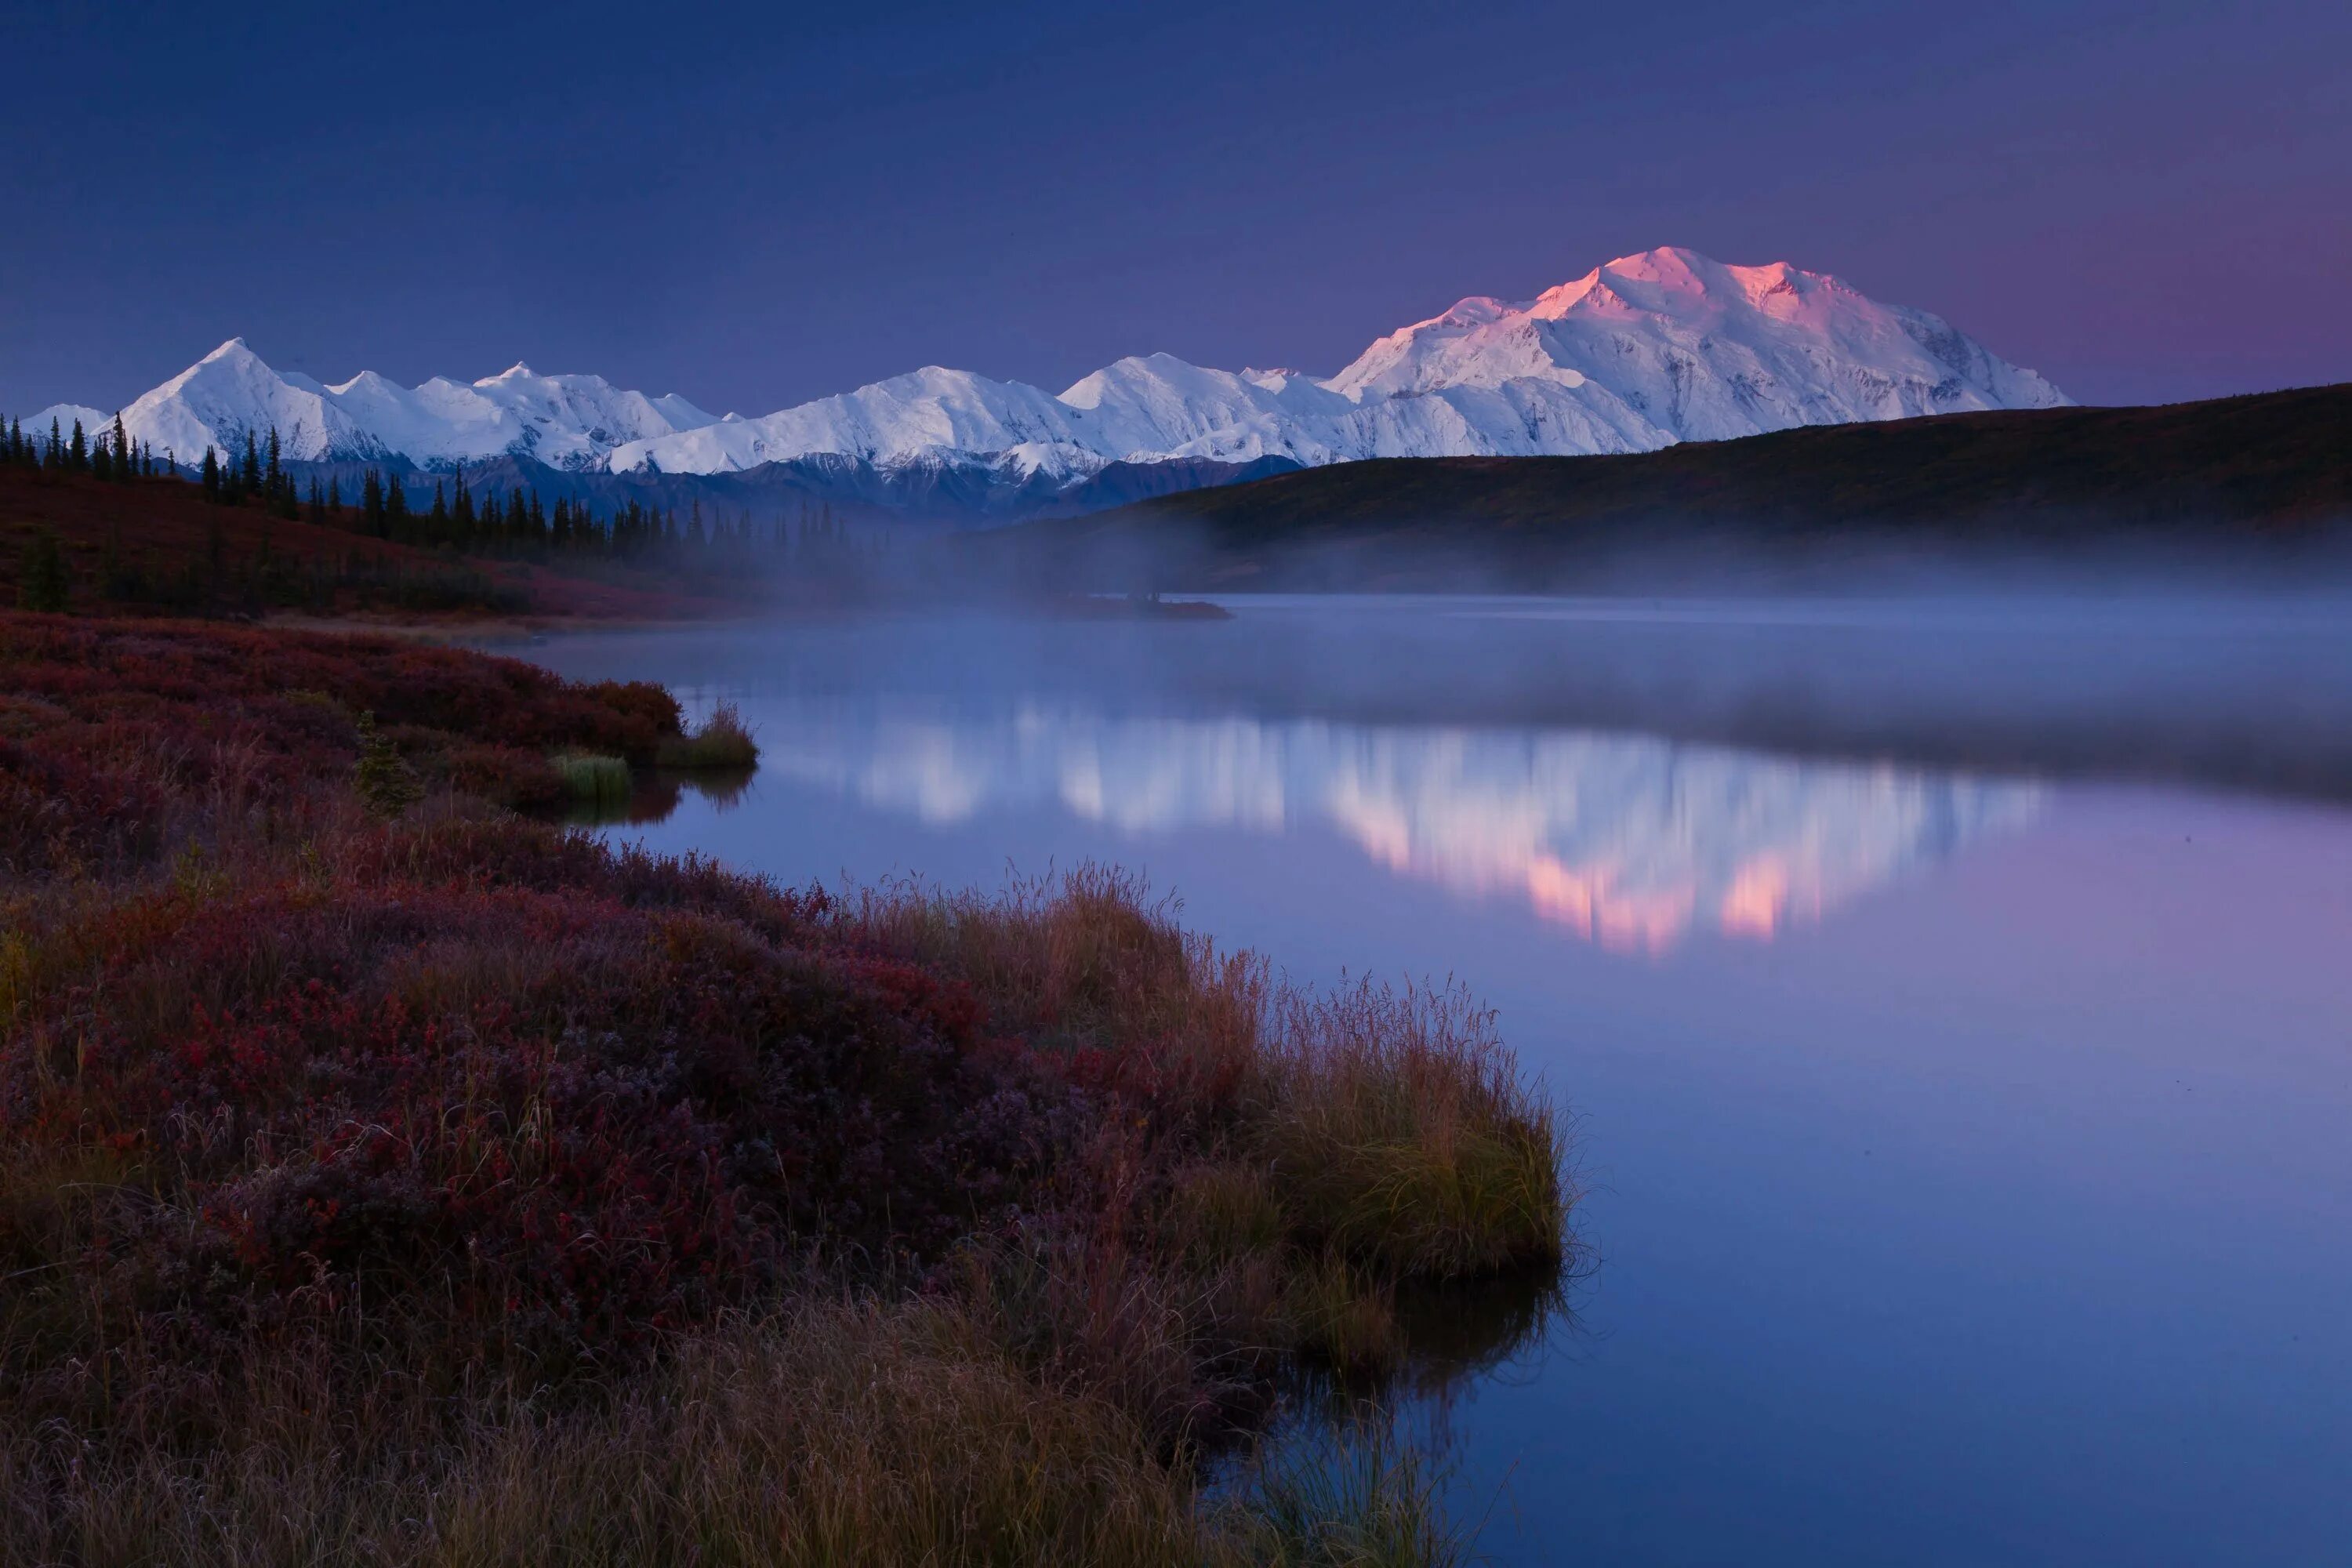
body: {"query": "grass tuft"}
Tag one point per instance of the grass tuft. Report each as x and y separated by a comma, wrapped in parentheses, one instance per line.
(723, 741)
(1389, 1124)
(592, 779)
(1401, 1135)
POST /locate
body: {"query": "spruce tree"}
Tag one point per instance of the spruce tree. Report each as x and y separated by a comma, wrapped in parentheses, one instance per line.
(122, 455)
(42, 581)
(78, 450)
(386, 783)
(248, 478)
(56, 455)
(211, 478)
(112, 580)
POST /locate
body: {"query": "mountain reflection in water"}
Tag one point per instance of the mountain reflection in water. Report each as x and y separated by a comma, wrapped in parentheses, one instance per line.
(1630, 841)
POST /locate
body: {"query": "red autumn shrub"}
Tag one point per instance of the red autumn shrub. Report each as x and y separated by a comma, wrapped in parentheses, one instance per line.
(566, 1096)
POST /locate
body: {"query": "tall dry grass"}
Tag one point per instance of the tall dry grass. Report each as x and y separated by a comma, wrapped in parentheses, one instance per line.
(837, 1432)
(1389, 1125)
(1398, 1131)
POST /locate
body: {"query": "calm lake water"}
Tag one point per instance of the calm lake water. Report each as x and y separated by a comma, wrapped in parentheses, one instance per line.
(1953, 1000)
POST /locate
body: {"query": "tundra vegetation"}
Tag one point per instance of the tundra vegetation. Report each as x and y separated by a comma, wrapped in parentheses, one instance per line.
(81, 528)
(389, 1173)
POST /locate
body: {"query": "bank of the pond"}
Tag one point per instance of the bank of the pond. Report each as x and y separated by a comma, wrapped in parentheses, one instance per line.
(389, 1173)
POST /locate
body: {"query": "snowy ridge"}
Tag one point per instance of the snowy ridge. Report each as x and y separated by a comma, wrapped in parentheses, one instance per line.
(65, 417)
(564, 421)
(1647, 350)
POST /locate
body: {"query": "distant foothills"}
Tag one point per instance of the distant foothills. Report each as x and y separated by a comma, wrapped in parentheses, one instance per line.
(2263, 481)
(1641, 354)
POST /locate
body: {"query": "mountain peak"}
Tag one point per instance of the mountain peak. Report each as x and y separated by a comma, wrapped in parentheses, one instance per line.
(1669, 344)
(1645, 350)
(1660, 258)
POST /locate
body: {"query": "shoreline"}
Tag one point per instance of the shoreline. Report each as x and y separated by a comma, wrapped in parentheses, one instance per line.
(1018, 1210)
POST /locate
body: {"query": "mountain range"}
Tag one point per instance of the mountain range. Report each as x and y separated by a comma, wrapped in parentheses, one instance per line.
(1649, 350)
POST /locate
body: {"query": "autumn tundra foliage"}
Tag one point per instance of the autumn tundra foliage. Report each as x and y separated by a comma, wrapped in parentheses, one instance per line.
(391, 1175)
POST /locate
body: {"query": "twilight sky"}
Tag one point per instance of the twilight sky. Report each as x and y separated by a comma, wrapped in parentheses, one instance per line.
(758, 204)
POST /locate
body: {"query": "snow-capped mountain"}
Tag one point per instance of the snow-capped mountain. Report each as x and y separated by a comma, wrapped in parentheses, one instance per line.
(1649, 350)
(1646, 350)
(563, 421)
(65, 417)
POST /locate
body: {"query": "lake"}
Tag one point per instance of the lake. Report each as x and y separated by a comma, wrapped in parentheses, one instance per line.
(1953, 999)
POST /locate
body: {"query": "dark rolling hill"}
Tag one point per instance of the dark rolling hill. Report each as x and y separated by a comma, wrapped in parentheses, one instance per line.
(917, 496)
(2272, 467)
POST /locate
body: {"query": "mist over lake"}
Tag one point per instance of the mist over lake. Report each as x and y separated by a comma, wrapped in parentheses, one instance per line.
(1949, 994)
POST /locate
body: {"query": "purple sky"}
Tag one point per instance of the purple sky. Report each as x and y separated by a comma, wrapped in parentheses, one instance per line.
(2144, 201)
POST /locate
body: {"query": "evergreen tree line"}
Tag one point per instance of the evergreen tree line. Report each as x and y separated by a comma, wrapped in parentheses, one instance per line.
(224, 579)
(515, 523)
(227, 481)
(519, 523)
(111, 455)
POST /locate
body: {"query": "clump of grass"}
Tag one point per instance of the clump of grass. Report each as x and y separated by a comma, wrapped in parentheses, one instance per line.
(1390, 1125)
(1219, 1211)
(1345, 1315)
(593, 780)
(723, 741)
(1088, 962)
(1402, 1135)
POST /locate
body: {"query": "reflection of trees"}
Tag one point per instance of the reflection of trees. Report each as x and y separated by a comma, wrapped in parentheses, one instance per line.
(654, 795)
